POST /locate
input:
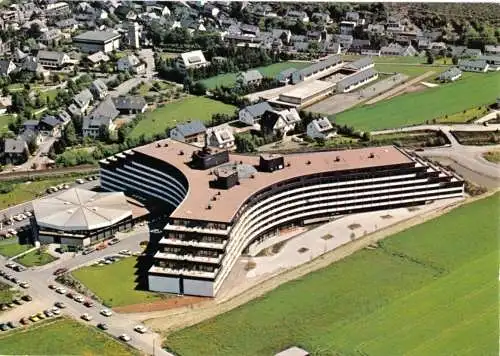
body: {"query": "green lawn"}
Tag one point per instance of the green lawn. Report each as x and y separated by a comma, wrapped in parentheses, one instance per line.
(464, 115)
(429, 290)
(6, 294)
(11, 248)
(192, 108)
(415, 108)
(492, 156)
(24, 191)
(410, 70)
(229, 79)
(36, 258)
(115, 284)
(389, 59)
(4, 122)
(62, 337)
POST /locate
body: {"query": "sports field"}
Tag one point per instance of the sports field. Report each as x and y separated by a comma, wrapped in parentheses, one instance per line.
(415, 108)
(193, 108)
(62, 337)
(429, 290)
(229, 79)
(115, 284)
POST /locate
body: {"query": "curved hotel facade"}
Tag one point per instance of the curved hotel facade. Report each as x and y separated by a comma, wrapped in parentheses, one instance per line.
(224, 202)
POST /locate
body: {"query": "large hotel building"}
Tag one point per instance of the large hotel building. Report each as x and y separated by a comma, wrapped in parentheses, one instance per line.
(223, 202)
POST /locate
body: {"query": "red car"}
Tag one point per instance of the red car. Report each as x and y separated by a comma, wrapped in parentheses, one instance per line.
(88, 304)
(60, 271)
(69, 295)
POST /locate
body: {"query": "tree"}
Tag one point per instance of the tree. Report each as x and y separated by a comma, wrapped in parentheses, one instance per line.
(32, 145)
(430, 57)
(103, 134)
(244, 143)
(198, 88)
(454, 60)
(69, 134)
(366, 136)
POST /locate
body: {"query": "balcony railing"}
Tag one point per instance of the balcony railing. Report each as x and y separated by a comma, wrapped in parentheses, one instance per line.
(188, 257)
(193, 243)
(183, 272)
(206, 230)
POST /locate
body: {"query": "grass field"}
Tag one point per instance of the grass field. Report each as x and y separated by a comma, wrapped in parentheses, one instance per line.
(11, 248)
(25, 191)
(410, 70)
(192, 108)
(389, 59)
(416, 108)
(62, 337)
(464, 115)
(35, 258)
(4, 123)
(115, 284)
(6, 294)
(229, 79)
(492, 156)
(429, 290)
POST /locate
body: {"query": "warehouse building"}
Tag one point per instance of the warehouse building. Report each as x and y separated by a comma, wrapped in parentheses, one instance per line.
(356, 80)
(95, 41)
(305, 93)
(224, 202)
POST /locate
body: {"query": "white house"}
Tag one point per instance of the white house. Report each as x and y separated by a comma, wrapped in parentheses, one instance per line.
(190, 60)
(131, 63)
(252, 114)
(321, 128)
(450, 75)
(280, 122)
(251, 77)
(473, 65)
(221, 137)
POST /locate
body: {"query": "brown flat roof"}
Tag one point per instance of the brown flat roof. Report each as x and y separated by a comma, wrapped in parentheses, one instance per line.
(199, 195)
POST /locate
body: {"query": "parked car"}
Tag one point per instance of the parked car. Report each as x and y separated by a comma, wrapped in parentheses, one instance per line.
(11, 325)
(87, 251)
(48, 313)
(28, 213)
(40, 316)
(19, 268)
(4, 307)
(27, 298)
(52, 286)
(4, 327)
(17, 301)
(78, 298)
(61, 290)
(60, 271)
(125, 252)
(34, 318)
(102, 326)
(106, 312)
(141, 329)
(124, 337)
(114, 241)
(88, 304)
(86, 317)
(60, 305)
(24, 285)
(69, 295)
(24, 321)
(10, 265)
(80, 181)
(12, 231)
(55, 310)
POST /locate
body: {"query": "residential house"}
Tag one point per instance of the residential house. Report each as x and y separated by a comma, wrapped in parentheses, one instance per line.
(331, 47)
(456, 51)
(99, 89)
(301, 46)
(249, 30)
(394, 24)
(297, 16)
(252, 114)
(395, 49)
(450, 75)
(279, 122)
(97, 58)
(57, 9)
(370, 52)
(221, 137)
(477, 65)
(375, 28)
(344, 40)
(128, 104)
(131, 63)
(95, 41)
(6, 67)
(251, 77)
(51, 37)
(493, 50)
(315, 36)
(423, 44)
(50, 125)
(321, 17)
(471, 53)
(190, 132)
(52, 59)
(353, 16)
(492, 60)
(191, 60)
(83, 100)
(102, 116)
(67, 25)
(15, 151)
(358, 45)
(347, 27)
(321, 128)
(63, 117)
(284, 35)
(31, 136)
(30, 125)
(158, 10)
(356, 80)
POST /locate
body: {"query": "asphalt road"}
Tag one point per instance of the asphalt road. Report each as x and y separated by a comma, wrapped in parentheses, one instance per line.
(44, 298)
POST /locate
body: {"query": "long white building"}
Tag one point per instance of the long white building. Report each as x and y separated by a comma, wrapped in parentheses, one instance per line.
(224, 202)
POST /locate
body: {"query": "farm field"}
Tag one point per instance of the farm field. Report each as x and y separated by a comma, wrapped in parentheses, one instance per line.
(429, 290)
(35, 258)
(417, 108)
(229, 79)
(24, 191)
(62, 337)
(200, 108)
(115, 284)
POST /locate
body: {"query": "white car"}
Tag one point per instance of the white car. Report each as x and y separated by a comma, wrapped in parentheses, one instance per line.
(28, 213)
(24, 285)
(80, 181)
(78, 298)
(141, 329)
(124, 337)
(12, 232)
(106, 312)
(86, 316)
(55, 311)
(125, 252)
(61, 290)
(66, 186)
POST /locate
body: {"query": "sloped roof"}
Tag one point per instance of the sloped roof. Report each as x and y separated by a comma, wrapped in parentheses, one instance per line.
(251, 75)
(83, 98)
(355, 78)
(79, 209)
(360, 63)
(258, 109)
(129, 102)
(191, 128)
(16, 145)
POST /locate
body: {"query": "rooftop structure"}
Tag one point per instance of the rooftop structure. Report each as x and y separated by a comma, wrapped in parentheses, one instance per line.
(306, 92)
